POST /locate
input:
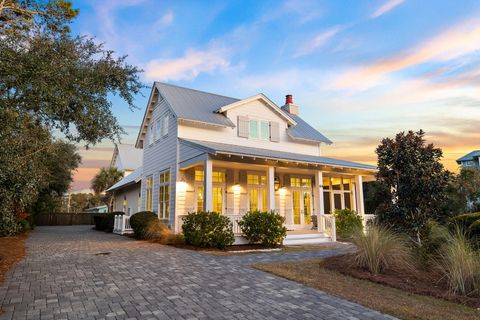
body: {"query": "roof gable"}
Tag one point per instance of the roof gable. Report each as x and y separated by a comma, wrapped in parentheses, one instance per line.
(267, 102)
(208, 108)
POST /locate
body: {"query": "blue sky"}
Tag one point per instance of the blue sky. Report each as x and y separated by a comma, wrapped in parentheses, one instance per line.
(359, 70)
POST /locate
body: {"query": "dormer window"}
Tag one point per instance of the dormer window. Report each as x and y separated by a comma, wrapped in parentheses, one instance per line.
(259, 129)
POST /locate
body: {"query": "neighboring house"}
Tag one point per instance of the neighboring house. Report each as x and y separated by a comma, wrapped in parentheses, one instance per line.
(99, 209)
(470, 160)
(203, 151)
(127, 193)
(126, 158)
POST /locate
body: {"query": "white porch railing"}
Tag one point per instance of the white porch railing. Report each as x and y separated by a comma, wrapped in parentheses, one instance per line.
(328, 222)
(121, 224)
(236, 227)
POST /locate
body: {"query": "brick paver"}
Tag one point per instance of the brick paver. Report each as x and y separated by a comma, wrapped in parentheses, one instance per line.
(77, 273)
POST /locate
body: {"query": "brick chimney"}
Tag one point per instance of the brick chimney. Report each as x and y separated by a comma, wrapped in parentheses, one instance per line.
(289, 106)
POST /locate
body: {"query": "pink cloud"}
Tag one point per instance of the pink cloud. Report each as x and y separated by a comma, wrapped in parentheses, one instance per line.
(386, 7)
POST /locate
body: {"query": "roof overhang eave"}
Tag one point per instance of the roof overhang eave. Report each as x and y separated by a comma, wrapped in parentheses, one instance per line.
(208, 123)
(327, 141)
(373, 170)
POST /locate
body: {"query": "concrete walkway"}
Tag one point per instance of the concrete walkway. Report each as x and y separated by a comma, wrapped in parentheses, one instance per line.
(76, 273)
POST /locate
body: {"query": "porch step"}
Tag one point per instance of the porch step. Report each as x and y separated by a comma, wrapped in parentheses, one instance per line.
(305, 238)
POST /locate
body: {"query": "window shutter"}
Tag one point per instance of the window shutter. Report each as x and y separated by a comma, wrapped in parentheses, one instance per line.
(230, 177)
(286, 180)
(274, 132)
(243, 126)
(242, 176)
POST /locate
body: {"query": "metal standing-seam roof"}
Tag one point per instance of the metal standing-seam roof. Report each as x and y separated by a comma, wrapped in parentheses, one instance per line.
(304, 131)
(129, 156)
(131, 179)
(190, 104)
(200, 106)
(229, 149)
(469, 156)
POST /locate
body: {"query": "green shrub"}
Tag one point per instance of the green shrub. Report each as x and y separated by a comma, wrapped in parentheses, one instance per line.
(208, 229)
(263, 227)
(106, 221)
(348, 223)
(465, 220)
(433, 237)
(460, 264)
(380, 248)
(140, 222)
(25, 225)
(474, 228)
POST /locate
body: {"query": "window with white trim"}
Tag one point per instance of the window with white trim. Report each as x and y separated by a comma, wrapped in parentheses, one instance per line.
(165, 126)
(158, 129)
(149, 193)
(164, 195)
(258, 129)
(151, 133)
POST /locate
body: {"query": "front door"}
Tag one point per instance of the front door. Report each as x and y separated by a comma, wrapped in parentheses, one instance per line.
(302, 207)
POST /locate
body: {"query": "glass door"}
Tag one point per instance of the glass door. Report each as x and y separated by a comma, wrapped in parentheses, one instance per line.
(307, 207)
(296, 207)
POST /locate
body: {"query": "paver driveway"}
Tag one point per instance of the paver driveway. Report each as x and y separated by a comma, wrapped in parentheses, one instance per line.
(63, 277)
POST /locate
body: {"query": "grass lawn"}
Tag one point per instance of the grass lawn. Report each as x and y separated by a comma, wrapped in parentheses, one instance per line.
(12, 250)
(385, 299)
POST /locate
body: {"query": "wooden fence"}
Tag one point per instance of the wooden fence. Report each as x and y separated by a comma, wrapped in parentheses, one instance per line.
(63, 219)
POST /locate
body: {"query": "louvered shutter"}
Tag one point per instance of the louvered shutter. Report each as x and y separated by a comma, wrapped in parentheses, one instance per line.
(242, 175)
(230, 177)
(243, 126)
(286, 180)
(274, 131)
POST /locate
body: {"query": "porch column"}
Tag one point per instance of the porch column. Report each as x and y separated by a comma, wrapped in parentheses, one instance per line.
(319, 201)
(271, 188)
(207, 185)
(359, 195)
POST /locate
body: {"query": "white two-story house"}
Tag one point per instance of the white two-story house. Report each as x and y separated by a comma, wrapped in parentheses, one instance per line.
(203, 151)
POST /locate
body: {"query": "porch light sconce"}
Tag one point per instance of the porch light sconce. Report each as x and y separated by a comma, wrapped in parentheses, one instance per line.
(236, 189)
(182, 186)
(276, 184)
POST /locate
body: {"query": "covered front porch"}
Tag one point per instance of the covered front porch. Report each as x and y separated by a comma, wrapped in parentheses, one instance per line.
(305, 194)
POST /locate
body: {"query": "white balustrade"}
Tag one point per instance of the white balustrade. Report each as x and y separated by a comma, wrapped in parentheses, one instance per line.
(329, 225)
(121, 224)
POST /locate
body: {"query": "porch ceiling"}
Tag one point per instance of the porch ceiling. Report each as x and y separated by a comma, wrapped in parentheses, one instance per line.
(241, 154)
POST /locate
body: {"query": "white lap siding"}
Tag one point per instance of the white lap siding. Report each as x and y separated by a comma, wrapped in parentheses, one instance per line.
(131, 194)
(159, 156)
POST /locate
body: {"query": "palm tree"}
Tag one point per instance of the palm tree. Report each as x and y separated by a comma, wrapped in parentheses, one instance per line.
(104, 179)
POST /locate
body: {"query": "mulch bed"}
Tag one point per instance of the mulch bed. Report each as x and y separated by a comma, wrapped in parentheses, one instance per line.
(420, 282)
(12, 250)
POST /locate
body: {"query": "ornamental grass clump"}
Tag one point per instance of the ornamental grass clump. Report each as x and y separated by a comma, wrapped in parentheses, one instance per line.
(459, 263)
(379, 249)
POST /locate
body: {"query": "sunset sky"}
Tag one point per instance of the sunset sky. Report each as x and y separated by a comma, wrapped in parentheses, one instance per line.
(359, 70)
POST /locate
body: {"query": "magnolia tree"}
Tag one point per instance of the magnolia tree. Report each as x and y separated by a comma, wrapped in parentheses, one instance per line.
(415, 181)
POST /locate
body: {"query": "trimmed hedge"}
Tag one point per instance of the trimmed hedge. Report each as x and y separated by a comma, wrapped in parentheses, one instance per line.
(263, 227)
(140, 222)
(208, 229)
(348, 223)
(105, 221)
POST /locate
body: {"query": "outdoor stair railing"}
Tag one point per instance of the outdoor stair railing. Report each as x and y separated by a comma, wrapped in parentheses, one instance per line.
(121, 224)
